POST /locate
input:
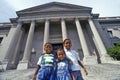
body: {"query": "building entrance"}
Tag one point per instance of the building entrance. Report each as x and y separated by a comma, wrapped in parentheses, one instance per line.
(57, 46)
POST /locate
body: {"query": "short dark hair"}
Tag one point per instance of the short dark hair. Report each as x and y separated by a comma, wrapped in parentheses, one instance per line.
(66, 40)
(47, 43)
(60, 49)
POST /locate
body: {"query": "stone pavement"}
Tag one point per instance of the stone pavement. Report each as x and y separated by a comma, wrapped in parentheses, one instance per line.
(17, 74)
(104, 71)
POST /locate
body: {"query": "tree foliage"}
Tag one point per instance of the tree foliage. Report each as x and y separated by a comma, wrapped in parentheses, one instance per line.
(115, 51)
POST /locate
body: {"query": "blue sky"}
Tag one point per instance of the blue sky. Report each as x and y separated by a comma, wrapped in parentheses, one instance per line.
(106, 8)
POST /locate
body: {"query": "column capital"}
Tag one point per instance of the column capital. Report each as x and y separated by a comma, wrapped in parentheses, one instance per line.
(33, 20)
(47, 19)
(19, 22)
(13, 25)
(76, 18)
(89, 19)
(63, 18)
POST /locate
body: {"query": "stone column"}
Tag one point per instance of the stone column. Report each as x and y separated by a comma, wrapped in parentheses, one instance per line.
(12, 60)
(25, 61)
(99, 42)
(87, 58)
(17, 50)
(9, 47)
(14, 40)
(46, 32)
(64, 30)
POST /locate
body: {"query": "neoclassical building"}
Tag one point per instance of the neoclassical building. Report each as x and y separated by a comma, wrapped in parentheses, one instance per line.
(22, 40)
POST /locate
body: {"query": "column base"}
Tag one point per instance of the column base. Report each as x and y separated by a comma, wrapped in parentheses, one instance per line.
(11, 65)
(90, 60)
(3, 65)
(23, 65)
(106, 59)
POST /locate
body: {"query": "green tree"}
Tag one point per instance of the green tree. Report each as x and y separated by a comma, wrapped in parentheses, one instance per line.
(115, 51)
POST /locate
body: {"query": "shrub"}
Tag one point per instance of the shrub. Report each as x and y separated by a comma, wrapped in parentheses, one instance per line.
(115, 51)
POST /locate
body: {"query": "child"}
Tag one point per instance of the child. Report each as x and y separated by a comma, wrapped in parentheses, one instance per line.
(45, 66)
(63, 70)
(74, 57)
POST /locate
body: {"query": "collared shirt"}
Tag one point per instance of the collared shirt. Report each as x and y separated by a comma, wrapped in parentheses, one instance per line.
(74, 57)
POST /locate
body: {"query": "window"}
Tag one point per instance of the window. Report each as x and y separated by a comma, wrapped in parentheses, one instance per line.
(1, 38)
(115, 44)
(110, 33)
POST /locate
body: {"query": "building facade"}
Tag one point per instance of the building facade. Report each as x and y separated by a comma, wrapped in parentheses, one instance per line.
(22, 40)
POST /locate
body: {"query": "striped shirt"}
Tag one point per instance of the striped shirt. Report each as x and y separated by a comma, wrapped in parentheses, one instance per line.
(46, 60)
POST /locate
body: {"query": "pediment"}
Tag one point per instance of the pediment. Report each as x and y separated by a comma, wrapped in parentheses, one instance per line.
(54, 6)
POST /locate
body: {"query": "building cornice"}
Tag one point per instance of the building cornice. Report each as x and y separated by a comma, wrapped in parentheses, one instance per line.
(109, 19)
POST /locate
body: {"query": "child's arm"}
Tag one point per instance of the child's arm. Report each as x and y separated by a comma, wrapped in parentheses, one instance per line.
(83, 67)
(70, 70)
(72, 76)
(70, 61)
(36, 71)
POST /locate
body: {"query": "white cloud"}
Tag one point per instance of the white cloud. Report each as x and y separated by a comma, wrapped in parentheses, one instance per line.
(22, 4)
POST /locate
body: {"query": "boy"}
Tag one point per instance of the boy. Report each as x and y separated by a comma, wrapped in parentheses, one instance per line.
(45, 66)
(73, 56)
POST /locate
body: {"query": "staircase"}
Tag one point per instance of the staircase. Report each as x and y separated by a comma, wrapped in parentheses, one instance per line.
(106, 71)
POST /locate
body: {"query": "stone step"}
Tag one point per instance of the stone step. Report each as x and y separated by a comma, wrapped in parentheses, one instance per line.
(95, 72)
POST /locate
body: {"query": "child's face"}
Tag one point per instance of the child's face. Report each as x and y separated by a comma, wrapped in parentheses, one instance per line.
(60, 55)
(48, 48)
(67, 44)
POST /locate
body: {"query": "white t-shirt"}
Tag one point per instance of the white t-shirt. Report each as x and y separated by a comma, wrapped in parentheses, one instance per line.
(74, 57)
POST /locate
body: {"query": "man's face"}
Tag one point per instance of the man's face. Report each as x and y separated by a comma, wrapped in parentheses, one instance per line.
(48, 48)
(67, 44)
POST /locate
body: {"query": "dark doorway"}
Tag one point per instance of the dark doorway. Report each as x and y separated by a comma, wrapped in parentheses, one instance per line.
(1, 38)
(57, 46)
